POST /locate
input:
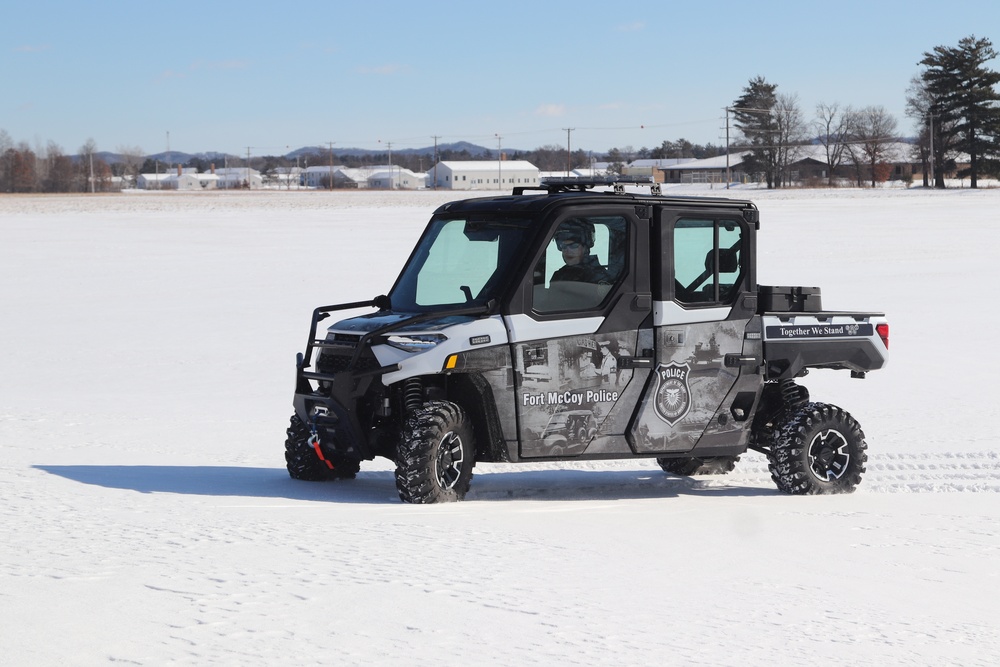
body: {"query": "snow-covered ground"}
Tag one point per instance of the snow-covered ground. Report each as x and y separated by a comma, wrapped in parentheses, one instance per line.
(146, 369)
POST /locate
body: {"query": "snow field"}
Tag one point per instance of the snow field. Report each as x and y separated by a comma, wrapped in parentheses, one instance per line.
(147, 365)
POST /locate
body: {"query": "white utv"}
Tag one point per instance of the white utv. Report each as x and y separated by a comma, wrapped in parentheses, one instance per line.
(564, 323)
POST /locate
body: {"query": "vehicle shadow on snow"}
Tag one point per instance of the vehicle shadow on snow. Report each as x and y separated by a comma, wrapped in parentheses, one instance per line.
(602, 485)
(238, 481)
(379, 487)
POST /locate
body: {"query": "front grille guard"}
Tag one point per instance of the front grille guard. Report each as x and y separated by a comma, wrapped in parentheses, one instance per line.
(304, 360)
(331, 409)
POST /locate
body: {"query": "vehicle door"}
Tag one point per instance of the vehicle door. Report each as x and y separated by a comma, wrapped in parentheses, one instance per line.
(707, 338)
(581, 332)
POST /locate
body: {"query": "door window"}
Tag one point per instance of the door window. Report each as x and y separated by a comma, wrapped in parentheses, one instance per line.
(708, 261)
(583, 260)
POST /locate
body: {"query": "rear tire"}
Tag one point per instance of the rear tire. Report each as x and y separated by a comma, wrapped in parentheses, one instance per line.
(820, 449)
(436, 454)
(705, 465)
(304, 464)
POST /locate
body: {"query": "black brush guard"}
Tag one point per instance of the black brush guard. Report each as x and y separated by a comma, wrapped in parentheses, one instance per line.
(331, 410)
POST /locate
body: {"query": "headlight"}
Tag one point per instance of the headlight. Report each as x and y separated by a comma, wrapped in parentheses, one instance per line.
(417, 343)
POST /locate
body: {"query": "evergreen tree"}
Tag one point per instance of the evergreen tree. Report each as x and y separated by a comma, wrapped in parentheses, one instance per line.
(965, 100)
(753, 116)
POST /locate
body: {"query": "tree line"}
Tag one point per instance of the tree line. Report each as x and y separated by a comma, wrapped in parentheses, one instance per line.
(953, 102)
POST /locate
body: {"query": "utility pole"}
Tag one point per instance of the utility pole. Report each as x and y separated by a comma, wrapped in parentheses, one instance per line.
(569, 154)
(248, 168)
(331, 162)
(930, 118)
(728, 179)
(389, 146)
(499, 164)
(435, 176)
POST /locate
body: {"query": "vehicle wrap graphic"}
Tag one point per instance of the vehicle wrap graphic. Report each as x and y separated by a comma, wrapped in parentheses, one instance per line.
(569, 388)
(691, 383)
(673, 393)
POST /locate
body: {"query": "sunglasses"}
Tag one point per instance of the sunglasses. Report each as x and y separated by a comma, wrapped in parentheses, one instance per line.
(567, 245)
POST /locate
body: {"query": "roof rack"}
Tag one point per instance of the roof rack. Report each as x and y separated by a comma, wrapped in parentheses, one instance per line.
(555, 184)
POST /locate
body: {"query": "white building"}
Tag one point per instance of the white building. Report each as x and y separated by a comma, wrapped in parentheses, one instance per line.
(396, 178)
(284, 178)
(319, 176)
(191, 180)
(352, 177)
(236, 178)
(483, 174)
(152, 181)
(186, 179)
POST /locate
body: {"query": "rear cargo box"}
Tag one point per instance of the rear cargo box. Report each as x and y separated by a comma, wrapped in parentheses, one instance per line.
(784, 299)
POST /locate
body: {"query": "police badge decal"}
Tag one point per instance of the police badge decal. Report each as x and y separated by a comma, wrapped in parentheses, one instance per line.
(673, 393)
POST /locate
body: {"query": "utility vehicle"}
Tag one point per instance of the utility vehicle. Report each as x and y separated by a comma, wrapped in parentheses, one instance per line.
(566, 322)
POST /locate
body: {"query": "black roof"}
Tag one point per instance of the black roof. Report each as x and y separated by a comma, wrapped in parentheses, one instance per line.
(576, 191)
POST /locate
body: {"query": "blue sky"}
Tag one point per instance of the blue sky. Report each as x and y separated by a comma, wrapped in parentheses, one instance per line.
(275, 76)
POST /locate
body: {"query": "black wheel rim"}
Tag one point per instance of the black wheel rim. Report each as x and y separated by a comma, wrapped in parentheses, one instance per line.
(829, 455)
(450, 458)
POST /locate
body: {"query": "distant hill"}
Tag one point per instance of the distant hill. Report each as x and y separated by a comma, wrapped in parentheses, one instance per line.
(177, 157)
(180, 157)
(456, 147)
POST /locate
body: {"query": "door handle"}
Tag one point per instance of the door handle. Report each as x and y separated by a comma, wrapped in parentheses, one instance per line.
(742, 361)
(642, 302)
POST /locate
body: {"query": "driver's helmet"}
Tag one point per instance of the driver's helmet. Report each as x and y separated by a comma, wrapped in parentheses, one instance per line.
(576, 230)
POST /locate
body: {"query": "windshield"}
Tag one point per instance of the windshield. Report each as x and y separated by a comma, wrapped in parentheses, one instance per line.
(459, 262)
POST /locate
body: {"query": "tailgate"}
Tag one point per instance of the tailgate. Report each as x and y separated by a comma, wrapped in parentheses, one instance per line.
(858, 342)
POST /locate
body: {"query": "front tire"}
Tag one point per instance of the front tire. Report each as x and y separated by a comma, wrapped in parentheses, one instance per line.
(820, 449)
(436, 454)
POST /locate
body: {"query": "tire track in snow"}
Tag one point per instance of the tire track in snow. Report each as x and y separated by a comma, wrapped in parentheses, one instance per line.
(893, 472)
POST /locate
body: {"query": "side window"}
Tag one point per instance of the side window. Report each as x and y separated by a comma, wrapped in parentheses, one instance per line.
(708, 261)
(583, 260)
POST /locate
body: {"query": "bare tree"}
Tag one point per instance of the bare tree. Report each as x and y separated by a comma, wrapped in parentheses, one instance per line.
(23, 169)
(6, 156)
(791, 133)
(132, 159)
(936, 131)
(832, 130)
(59, 171)
(86, 155)
(918, 107)
(874, 132)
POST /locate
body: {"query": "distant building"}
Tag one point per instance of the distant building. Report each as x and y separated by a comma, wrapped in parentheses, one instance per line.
(396, 178)
(183, 179)
(654, 168)
(378, 177)
(236, 178)
(352, 177)
(320, 176)
(283, 177)
(152, 181)
(707, 170)
(191, 182)
(483, 174)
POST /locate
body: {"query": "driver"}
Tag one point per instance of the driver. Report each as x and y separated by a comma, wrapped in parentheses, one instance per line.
(575, 238)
